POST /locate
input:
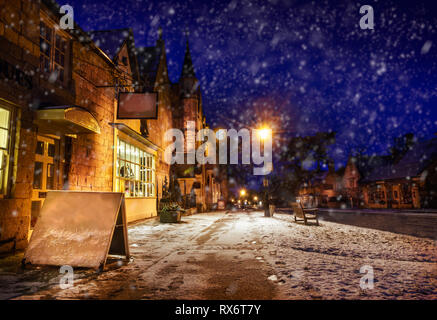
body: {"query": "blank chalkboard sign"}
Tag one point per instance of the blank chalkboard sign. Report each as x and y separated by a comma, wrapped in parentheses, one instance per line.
(79, 229)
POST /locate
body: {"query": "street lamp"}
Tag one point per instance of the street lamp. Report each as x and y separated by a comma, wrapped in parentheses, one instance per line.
(242, 192)
(264, 133)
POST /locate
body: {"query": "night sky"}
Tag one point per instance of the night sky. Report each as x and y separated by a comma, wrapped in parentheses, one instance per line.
(303, 66)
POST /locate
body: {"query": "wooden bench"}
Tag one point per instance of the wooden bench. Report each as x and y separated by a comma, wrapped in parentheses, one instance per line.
(302, 214)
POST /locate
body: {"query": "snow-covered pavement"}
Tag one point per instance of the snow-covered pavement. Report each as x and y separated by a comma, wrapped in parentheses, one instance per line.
(244, 255)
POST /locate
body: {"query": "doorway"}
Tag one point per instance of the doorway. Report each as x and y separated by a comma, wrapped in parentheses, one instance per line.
(46, 172)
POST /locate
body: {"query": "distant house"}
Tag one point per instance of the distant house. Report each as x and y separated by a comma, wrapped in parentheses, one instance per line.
(378, 182)
(348, 189)
(323, 190)
(409, 183)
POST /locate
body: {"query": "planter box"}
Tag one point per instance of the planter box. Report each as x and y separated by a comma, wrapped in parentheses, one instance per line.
(170, 216)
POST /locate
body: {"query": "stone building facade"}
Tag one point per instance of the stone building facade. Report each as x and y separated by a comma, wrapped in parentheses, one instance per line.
(19, 61)
(59, 128)
(179, 104)
(57, 121)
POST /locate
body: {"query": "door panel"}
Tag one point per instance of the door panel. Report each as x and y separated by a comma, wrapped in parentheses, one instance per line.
(44, 176)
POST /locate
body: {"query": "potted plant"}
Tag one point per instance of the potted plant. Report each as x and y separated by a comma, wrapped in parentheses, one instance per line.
(170, 213)
(169, 209)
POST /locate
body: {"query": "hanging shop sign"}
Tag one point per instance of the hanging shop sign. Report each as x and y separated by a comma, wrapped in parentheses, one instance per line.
(132, 105)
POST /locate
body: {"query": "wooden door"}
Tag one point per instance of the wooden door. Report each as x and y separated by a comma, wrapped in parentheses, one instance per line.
(46, 172)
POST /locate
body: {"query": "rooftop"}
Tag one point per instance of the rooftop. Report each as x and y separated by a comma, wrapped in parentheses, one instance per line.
(110, 41)
(412, 164)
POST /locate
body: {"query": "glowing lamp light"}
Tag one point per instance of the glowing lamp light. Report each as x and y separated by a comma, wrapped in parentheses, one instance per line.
(242, 192)
(264, 133)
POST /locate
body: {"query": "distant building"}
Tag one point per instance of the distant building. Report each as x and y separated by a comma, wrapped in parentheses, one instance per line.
(322, 190)
(409, 183)
(378, 182)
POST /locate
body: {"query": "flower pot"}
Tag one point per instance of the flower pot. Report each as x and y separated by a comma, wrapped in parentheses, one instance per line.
(170, 216)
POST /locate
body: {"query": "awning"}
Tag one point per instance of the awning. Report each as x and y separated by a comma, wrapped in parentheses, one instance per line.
(133, 134)
(66, 120)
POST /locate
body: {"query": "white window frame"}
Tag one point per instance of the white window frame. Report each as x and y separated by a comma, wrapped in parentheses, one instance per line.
(135, 171)
(5, 152)
(53, 65)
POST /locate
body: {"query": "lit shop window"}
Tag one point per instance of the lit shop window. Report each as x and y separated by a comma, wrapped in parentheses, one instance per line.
(5, 116)
(53, 50)
(135, 171)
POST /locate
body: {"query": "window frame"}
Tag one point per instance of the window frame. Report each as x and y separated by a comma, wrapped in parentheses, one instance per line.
(141, 171)
(6, 184)
(53, 64)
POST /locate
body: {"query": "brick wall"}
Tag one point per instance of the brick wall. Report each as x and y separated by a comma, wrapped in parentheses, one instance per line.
(91, 165)
(157, 128)
(19, 47)
(92, 155)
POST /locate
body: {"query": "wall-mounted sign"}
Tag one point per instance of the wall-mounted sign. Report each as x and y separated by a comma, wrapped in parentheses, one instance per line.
(11, 72)
(137, 105)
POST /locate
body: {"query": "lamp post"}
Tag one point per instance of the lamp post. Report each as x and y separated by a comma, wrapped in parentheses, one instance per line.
(266, 197)
(242, 194)
(264, 133)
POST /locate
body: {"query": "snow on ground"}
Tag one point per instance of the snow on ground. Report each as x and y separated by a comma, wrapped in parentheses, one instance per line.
(244, 255)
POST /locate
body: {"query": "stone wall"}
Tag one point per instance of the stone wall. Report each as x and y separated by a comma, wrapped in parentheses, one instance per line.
(158, 127)
(19, 50)
(93, 155)
(91, 166)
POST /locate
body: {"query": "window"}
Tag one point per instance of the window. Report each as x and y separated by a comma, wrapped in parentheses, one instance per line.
(407, 193)
(5, 128)
(376, 194)
(135, 171)
(53, 49)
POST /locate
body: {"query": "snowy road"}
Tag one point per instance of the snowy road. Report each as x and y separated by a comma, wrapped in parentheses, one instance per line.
(244, 255)
(414, 224)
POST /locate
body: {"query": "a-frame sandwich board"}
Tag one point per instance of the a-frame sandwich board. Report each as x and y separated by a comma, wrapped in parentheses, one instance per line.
(79, 229)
